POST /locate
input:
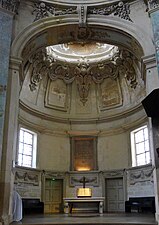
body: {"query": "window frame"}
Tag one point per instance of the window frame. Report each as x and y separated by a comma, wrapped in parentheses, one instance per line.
(134, 144)
(34, 148)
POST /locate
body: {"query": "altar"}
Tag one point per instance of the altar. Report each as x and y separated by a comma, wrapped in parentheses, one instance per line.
(84, 204)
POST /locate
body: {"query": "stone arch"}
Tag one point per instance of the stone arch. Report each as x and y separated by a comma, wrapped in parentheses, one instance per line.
(43, 32)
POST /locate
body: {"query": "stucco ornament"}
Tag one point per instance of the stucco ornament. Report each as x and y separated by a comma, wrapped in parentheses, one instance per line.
(10, 5)
(153, 4)
(120, 9)
(83, 72)
(44, 9)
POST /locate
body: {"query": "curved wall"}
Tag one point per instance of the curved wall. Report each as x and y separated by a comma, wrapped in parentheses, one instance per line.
(111, 126)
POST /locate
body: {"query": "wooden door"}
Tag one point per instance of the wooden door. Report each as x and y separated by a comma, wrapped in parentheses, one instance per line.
(114, 195)
(53, 196)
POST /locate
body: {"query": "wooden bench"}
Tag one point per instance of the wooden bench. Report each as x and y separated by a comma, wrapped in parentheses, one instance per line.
(140, 204)
(31, 206)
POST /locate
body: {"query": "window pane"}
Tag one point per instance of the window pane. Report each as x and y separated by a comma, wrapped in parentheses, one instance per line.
(147, 146)
(140, 148)
(146, 133)
(20, 147)
(20, 159)
(27, 149)
(139, 136)
(140, 159)
(21, 136)
(26, 160)
(148, 157)
(28, 138)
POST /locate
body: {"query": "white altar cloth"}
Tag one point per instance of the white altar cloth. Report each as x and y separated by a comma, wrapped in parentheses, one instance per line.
(17, 207)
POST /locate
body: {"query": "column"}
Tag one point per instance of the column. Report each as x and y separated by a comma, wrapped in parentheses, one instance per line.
(9, 80)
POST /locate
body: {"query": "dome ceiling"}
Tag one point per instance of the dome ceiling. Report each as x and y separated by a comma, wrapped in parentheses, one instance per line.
(77, 65)
(82, 80)
(71, 63)
(71, 52)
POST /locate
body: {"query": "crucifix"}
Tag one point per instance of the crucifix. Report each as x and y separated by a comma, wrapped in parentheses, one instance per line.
(83, 180)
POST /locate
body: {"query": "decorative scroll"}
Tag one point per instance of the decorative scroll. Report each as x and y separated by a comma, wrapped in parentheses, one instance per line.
(39, 68)
(83, 73)
(26, 177)
(120, 9)
(43, 10)
(10, 5)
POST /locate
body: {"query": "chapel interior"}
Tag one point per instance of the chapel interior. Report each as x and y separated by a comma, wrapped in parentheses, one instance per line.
(79, 108)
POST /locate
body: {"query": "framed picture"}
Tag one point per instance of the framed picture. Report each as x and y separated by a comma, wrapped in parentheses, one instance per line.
(83, 153)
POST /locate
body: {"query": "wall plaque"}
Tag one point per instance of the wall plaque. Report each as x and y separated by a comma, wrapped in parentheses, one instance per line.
(84, 156)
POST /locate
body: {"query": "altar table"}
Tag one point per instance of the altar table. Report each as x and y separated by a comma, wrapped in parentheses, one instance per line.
(69, 203)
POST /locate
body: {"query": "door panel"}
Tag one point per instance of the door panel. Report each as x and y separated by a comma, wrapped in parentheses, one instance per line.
(53, 196)
(114, 195)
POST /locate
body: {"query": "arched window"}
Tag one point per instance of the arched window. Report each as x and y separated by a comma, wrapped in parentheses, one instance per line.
(140, 146)
(27, 148)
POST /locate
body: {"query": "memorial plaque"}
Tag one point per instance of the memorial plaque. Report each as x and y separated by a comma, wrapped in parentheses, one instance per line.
(84, 153)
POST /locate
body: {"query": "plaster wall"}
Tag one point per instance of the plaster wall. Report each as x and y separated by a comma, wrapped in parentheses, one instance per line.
(54, 152)
(113, 152)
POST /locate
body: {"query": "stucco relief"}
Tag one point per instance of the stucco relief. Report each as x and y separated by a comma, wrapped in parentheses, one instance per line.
(57, 95)
(140, 176)
(119, 9)
(10, 5)
(153, 4)
(84, 179)
(83, 72)
(52, 175)
(113, 173)
(27, 177)
(110, 94)
(45, 9)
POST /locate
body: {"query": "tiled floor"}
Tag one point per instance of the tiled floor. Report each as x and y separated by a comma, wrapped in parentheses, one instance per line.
(79, 219)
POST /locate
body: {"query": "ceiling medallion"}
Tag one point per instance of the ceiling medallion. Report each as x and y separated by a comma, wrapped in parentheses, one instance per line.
(83, 71)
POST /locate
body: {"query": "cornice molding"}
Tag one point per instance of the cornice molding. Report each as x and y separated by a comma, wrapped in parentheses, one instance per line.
(83, 2)
(101, 119)
(149, 61)
(73, 133)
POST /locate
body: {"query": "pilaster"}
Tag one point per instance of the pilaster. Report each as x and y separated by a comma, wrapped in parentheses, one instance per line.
(153, 10)
(8, 114)
(151, 73)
